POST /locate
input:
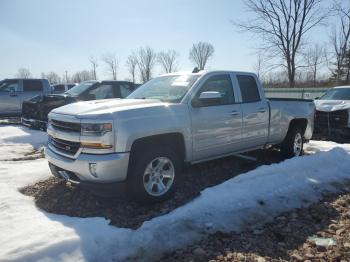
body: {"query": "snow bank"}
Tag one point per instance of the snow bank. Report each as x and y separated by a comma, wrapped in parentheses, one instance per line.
(17, 141)
(29, 234)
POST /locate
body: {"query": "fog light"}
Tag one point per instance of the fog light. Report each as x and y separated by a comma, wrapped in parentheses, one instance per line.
(93, 169)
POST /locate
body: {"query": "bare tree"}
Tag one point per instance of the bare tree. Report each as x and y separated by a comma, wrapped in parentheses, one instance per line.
(23, 73)
(131, 64)
(168, 60)
(94, 64)
(146, 61)
(81, 76)
(340, 41)
(314, 58)
(111, 62)
(52, 77)
(283, 25)
(258, 66)
(200, 54)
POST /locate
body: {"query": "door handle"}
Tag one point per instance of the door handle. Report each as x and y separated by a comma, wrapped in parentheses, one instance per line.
(262, 110)
(234, 113)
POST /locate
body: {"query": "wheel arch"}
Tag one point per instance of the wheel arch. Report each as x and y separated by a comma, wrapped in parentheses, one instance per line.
(175, 141)
(298, 122)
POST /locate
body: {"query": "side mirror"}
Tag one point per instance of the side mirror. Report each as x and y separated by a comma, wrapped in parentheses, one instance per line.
(212, 95)
(207, 99)
(317, 98)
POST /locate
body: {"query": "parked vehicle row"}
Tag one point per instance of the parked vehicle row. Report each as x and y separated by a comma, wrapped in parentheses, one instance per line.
(141, 143)
(35, 110)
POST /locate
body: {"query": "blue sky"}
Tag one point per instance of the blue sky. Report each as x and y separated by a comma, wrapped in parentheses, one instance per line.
(61, 35)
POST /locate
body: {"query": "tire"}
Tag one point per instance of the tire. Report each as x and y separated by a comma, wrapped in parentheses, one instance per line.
(153, 174)
(293, 144)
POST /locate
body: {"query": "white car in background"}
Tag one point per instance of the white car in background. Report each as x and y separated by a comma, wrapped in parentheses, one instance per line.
(332, 113)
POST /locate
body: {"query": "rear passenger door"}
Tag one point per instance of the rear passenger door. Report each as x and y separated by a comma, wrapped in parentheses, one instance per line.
(255, 112)
(31, 88)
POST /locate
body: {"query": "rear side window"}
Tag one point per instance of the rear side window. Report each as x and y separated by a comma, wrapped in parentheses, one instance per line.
(249, 88)
(125, 90)
(32, 85)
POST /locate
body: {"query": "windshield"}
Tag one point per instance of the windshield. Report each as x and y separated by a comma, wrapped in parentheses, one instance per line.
(171, 88)
(79, 89)
(337, 94)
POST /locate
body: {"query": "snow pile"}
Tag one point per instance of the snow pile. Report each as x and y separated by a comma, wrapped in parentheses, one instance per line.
(27, 233)
(17, 141)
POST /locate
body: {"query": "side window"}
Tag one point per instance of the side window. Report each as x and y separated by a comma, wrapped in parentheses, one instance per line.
(32, 85)
(59, 88)
(103, 91)
(70, 86)
(218, 83)
(125, 90)
(9, 86)
(249, 88)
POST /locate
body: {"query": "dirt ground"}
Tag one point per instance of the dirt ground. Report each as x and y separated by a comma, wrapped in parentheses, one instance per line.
(287, 238)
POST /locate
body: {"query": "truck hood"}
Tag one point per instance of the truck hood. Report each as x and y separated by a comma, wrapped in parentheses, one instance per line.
(332, 105)
(104, 107)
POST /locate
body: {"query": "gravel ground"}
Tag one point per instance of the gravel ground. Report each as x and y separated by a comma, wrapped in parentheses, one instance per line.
(287, 238)
(35, 154)
(56, 196)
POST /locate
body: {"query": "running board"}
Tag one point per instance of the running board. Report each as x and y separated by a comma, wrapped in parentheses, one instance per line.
(246, 157)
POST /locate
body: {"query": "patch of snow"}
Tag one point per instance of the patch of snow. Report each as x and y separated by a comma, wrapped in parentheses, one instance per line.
(320, 146)
(27, 233)
(17, 141)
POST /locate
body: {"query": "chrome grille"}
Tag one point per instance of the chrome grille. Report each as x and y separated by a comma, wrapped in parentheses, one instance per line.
(65, 126)
(64, 146)
(337, 118)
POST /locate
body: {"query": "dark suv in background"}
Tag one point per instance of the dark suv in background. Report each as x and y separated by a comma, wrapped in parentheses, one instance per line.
(35, 110)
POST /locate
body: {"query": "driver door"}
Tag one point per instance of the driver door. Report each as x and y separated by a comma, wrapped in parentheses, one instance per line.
(217, 126)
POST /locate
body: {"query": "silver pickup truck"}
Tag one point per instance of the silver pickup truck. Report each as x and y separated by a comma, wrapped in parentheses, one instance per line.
(143, 141)
(14, 91)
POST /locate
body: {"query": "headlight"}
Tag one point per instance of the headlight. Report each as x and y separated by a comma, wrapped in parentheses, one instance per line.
(88, 129)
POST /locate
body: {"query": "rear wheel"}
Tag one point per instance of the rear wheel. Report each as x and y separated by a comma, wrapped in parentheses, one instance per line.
(153, 174)
(293, 144)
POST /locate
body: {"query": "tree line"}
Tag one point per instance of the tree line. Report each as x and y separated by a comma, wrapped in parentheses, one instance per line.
(140, 64)
(286, 52)
(286, 56)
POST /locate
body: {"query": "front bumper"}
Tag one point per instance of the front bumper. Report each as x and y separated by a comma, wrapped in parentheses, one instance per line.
(332, 132)
(30, 122)
(108, 168)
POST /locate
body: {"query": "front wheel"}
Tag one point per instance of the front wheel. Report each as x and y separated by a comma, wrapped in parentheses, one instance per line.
(153, 174)
(293, 144)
